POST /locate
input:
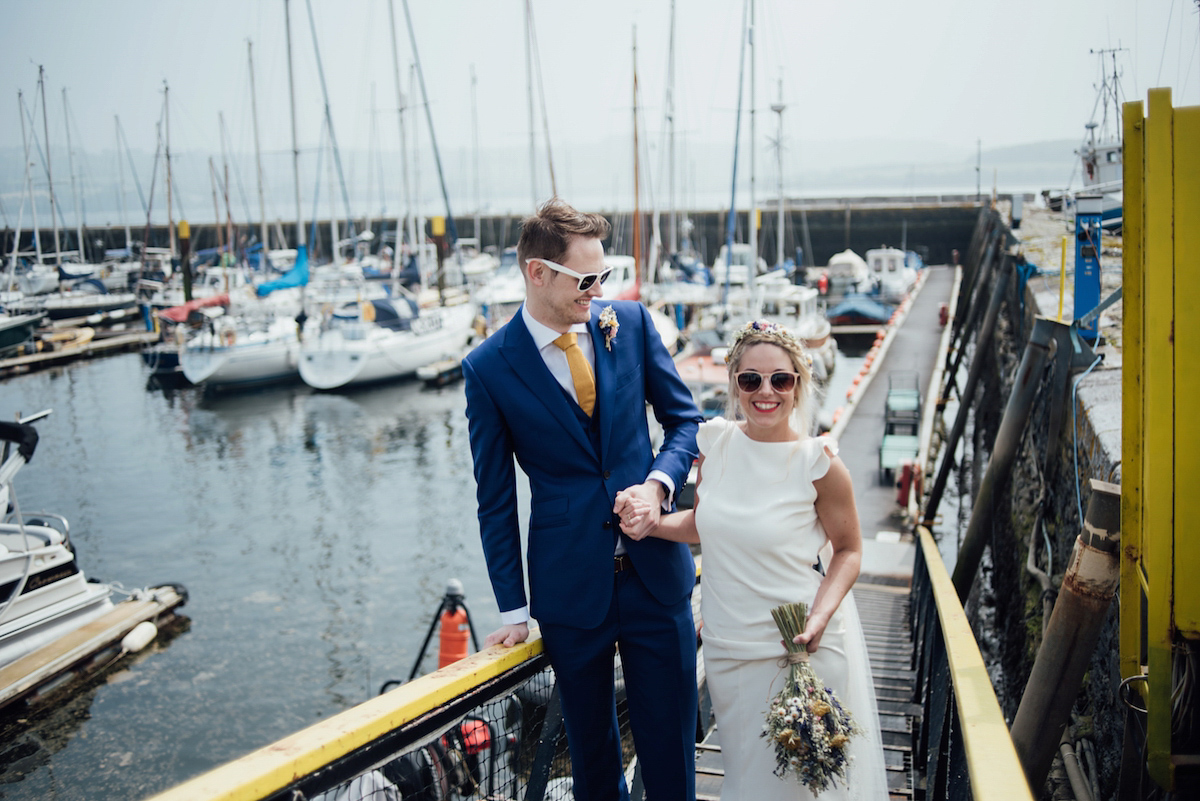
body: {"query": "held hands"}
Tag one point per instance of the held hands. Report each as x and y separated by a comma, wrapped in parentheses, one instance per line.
(508, 636)
(639, 508)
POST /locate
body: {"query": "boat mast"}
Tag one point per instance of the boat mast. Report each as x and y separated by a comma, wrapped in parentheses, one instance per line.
(778, 109)
(672, 219)
(731, 220)
(121, 184)
(408, 206)
(167, 155)
(264, 260)
(74, 189)
(529, 95)
(49, 177)
(475, 142)
(300, 234)
(637, 211)
(753, 217)
(37, 239)
(225, 190)
(212, 174)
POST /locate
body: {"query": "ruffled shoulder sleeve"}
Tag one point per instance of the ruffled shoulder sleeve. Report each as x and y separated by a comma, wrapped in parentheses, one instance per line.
(710, 431)
(818, 454)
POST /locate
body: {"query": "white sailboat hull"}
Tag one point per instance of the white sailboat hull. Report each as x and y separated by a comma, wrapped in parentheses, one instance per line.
(364, 353)
(259, 357)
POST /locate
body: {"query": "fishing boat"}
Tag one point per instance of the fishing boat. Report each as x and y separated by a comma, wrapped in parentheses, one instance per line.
(17, 330)
(893, 272)
(379, 340)
(53, 619)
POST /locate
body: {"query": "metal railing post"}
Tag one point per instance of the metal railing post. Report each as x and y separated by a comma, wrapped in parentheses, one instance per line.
(967, 395)
(1080, 612)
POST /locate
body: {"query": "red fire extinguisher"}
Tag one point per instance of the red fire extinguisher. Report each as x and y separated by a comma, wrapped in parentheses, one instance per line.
(823, 283)
(452, 645)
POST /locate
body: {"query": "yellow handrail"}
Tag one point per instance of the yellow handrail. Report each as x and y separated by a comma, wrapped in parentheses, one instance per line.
(274, 767)
(992, 764)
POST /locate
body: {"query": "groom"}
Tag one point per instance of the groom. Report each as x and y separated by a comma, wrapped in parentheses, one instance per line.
(563, 388)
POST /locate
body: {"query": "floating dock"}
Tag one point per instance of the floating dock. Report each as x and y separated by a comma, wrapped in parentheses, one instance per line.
(91, 647)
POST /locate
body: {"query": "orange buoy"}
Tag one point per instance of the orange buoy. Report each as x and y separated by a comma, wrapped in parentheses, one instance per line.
(452, 644)
(850, 393)
(880, 334)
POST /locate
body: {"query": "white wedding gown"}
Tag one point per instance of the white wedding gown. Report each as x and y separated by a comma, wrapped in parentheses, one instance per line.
(760, 535)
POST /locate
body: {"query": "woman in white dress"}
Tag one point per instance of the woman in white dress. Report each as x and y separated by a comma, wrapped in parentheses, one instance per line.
(768, 498)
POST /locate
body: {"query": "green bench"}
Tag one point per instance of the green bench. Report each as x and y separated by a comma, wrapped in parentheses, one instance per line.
(894, 449)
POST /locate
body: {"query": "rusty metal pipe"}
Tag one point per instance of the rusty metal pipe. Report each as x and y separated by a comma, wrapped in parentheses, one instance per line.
(1008, 440)
(1083, 601)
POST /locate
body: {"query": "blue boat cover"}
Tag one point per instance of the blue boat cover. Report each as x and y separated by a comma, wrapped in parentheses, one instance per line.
(297, 276)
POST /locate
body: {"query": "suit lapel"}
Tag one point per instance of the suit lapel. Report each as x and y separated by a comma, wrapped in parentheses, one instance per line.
(522, 355)
(605, 380)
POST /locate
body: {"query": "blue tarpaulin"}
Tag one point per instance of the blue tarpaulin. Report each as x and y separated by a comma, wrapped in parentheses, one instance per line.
(297, 276)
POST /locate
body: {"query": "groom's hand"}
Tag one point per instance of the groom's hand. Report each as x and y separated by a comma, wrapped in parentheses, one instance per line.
(508, 636)
(641, 505)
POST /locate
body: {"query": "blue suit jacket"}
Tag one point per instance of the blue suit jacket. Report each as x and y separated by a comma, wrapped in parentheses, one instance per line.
(517, 409)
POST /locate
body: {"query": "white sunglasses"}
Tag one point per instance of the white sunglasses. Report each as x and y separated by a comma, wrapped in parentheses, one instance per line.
(586, 280)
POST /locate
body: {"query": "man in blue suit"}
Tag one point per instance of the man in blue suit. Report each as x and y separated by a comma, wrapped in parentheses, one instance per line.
(571, 410)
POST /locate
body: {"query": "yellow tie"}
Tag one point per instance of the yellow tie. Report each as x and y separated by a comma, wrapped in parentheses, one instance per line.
(581, 372)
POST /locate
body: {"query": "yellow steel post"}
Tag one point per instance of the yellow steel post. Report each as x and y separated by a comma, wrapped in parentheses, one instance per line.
(1132, 424)
(1186, 603)
(1062, 275)
(1158, 457)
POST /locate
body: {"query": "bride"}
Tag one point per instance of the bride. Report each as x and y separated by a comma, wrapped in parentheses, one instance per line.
(768, 498)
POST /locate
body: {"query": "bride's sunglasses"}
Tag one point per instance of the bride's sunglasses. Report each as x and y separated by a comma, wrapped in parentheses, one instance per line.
(750, 381)
(586, 280)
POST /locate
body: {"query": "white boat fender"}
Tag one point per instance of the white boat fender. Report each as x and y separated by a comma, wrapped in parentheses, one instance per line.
(139, 637)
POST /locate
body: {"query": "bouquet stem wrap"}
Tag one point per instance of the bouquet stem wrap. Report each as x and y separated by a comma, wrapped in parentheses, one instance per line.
(806, 722)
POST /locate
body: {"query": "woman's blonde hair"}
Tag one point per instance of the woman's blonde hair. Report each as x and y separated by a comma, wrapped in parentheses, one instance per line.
(760, 332)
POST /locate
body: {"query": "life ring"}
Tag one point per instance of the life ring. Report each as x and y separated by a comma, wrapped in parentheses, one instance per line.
(229, 336)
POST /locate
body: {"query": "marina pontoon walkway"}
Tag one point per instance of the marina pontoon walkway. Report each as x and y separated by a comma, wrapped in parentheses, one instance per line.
(882, 591)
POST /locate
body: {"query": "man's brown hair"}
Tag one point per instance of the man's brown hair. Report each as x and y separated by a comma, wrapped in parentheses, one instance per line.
(547, 232)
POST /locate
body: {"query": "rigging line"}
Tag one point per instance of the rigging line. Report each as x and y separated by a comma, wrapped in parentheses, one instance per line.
(55, 206)
(451, 228)
(1162, 57)
(133, 169)
(227, 143)
(537, 64)
(337, 158)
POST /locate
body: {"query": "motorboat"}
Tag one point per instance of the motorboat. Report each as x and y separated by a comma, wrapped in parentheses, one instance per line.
(738, 266)
(845, 274)
(53, 619)
(893, 272)
(17, 330)
(379, 340)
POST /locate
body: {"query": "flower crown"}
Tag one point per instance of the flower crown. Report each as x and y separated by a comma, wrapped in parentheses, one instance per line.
(768, 331)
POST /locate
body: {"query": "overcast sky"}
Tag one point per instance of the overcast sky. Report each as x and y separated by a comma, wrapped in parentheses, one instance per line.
(922, 78)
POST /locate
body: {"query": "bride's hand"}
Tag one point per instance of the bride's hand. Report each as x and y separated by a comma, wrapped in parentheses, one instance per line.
(811, 636)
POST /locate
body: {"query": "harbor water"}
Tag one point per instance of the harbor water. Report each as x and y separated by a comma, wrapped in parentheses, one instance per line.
(314, 532)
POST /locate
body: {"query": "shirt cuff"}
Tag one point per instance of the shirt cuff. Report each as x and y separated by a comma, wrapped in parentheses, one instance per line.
(514, 616)
(666, 481)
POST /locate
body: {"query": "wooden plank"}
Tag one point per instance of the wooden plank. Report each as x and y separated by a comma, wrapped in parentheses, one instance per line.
(27, 673)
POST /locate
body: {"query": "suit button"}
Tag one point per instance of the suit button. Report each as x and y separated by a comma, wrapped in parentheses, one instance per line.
(607, 475)
(607, 524)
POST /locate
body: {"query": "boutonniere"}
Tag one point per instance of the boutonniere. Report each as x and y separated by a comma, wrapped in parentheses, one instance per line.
(609, 325)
